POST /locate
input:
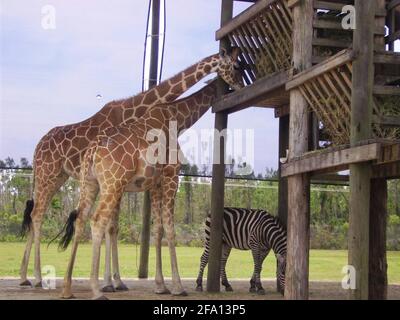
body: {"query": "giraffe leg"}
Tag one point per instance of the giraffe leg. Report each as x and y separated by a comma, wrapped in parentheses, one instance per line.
(43, 195)
(169, 188)
(108, 285)
(155, 195)
(86, 202)
(226, 250)
(112, 251)
(100, 220)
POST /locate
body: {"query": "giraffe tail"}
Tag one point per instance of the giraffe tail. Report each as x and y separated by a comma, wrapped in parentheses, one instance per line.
(27, 219)
(67, 231)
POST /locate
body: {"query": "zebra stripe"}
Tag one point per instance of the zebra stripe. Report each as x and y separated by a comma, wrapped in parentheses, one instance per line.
(248, 229)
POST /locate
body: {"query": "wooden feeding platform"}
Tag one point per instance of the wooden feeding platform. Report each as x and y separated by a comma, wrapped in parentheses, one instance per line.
(336, 92)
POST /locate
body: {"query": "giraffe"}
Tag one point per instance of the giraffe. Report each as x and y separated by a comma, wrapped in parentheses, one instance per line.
(120, 157)
(59, 153)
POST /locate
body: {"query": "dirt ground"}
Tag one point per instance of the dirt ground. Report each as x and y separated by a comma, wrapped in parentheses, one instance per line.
(143, 290)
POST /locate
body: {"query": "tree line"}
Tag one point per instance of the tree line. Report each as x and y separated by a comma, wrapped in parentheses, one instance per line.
(329, 205)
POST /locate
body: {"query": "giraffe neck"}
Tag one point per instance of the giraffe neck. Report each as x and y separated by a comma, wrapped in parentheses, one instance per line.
(197, 104)
(170, 89)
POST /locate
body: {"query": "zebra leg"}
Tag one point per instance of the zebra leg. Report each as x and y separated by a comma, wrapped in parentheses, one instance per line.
(259, 256)
(203, 264)
(226, 250)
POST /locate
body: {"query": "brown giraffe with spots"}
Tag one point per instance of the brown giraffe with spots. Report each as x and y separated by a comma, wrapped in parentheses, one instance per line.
(59, 153)
(123, 156)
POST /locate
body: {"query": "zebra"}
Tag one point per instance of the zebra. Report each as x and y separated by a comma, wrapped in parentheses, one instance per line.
(248, 229)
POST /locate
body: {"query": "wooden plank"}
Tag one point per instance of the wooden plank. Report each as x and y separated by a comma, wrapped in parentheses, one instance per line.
(387, 121)
(387, 90)
(330, 63)
(252, 93)
(326, 160)
(386, 170)
(282, 111)
(243, 17)
(393, 4)
(393, 36)
(326, 42)
(387, 57)
(336, 25)
(390, 153)
(327, 5)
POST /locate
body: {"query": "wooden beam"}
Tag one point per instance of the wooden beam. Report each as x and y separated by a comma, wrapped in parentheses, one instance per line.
(393, 4)
(282, 111)
(387, 170)
(338, 59)
(242, 18)
(331, 5)
(218, 174)
(387, 121)
(336, 25)
(387, 57)
(283, 184)
(325, 160)
(326, 42)
(361, 129)
(378, 280)
(389, 153)
(298, 231)
(251, 94)
(387, 90)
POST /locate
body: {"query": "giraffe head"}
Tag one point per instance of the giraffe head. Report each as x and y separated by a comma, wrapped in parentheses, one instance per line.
(229, 69)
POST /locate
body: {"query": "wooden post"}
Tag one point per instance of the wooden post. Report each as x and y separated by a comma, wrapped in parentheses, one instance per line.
(283, 186)
(360, 174)
(296, 286)
(283, 191)
(153, 75)
(218, 175)
(377, 288)
(377, 241)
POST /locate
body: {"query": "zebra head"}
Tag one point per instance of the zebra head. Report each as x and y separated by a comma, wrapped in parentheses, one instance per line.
(280, 272)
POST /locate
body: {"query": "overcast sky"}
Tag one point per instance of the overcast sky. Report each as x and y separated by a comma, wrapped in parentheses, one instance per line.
(51, 77)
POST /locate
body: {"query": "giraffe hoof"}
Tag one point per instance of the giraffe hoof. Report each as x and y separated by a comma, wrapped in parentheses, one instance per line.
(102, 297)
(228, 289)
(121, 287)
(108, 288)
(253, 290)
(162, 291)
(38, 284)
(199, 289)
(68, 296)
(26, 283)
(180, 294)
(261, 292)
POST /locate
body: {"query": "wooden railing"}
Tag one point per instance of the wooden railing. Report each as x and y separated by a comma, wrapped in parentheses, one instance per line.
(263, 33)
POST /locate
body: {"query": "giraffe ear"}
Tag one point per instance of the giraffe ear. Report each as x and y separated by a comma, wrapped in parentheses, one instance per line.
(235, 53)
(223, 52)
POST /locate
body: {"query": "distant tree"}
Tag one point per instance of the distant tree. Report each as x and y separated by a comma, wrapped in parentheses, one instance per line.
(10, 163)
(24, 163)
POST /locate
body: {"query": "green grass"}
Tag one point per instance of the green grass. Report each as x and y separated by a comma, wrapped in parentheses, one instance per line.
(324, 264)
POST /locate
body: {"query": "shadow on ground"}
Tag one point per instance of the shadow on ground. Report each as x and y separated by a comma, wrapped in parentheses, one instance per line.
(143, 290)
